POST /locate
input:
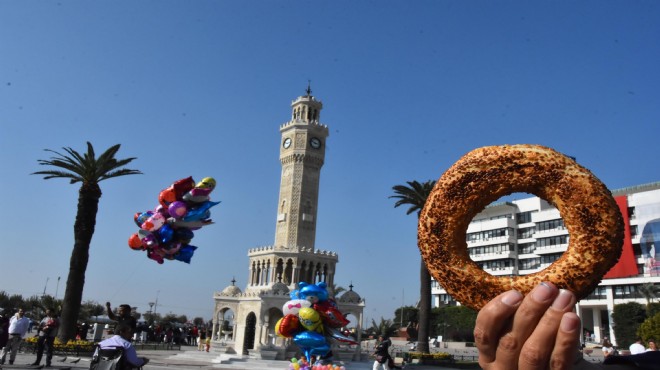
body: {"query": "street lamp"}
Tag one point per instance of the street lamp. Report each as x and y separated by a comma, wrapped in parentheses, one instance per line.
(151, 316)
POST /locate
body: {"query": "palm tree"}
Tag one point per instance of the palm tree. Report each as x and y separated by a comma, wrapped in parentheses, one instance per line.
(385, 327)
(415, 195)
(650, 292)
(334, 290)
(88, 170)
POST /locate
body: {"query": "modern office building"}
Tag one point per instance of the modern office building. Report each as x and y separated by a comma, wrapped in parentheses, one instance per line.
(520, 237)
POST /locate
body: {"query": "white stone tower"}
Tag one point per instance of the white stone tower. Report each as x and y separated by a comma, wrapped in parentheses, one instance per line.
(275, 270)
(302, 154)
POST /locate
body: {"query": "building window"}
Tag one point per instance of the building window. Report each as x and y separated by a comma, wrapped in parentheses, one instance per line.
(524, 217)
(633, 231)
(526, 248)
(529, 264)
(491, 249)
(526, 232)
(488, 234)
(552, 241)
(598, 293)
(551, 225)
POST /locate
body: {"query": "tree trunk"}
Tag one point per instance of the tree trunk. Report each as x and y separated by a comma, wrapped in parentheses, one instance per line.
(424, 309)
(83, 230)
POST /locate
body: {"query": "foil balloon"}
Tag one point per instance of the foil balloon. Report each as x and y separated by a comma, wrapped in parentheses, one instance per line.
(166, 197)
(330, 314)
(177, 209)
(206, 183)
(313, 292)
(183, 186)
(135, 242)
(336, 334)
(200, 212)
(154, 222)
(288, 326)
(185, 253)
(310, 319)
(165, 233)
(293, 306)
(141, 217)
(312, 343)
(183, 234)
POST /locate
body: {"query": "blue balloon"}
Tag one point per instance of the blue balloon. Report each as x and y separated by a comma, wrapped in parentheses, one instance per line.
(200, 212)
(312, 343)
(165, 234)
(183, 234)
(185, 253)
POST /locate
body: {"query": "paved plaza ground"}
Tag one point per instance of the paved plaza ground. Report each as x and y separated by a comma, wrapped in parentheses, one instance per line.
(188, 357)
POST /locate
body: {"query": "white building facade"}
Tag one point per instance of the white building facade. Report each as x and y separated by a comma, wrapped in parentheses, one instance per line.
(524, 236)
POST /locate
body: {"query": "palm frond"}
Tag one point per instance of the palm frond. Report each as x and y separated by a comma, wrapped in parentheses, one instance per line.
(415, 195)
(86, 168)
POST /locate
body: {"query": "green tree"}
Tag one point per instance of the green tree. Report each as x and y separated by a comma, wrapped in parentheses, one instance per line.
(455, 323)
(88, 170)
(198, 321)
(650, 328)
(627, 318)
(90, 309)
(406, 314)
(170, 318)
(415, 195)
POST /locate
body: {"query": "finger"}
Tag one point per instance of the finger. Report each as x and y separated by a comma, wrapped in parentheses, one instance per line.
(566, 345)
(491, 321)
(535, 353)
(527, 317)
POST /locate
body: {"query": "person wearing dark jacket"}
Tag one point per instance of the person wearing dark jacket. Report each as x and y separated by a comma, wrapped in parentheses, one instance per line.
(382, 352)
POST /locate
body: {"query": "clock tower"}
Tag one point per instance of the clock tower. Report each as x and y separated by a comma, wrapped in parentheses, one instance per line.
(274, 271)
(302, 153)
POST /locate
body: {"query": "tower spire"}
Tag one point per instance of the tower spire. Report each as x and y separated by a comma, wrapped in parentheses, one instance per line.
(309, 88)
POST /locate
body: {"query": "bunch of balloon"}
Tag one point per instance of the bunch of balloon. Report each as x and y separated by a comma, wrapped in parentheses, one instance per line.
(312, 320)
(303, 364)
(166, 232)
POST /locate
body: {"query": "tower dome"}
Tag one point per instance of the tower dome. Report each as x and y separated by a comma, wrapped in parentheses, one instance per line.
(350, 296)
(280, 288)
(232, 290)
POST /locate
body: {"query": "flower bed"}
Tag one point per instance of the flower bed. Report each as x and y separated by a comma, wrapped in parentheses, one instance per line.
(72, 347)
(438, 358)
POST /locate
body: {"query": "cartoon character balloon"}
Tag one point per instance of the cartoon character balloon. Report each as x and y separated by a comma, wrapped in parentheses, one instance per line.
(165, 233)
(312, 319)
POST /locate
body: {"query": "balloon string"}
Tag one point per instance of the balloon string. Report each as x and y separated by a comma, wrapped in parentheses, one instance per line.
(123, 284)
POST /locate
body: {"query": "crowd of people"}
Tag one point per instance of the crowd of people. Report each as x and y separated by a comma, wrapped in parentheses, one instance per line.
(512, 332)
(16, 326)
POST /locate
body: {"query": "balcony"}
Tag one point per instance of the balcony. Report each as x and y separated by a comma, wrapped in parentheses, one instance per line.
(551, 249)
(493, 256)
(499, 271)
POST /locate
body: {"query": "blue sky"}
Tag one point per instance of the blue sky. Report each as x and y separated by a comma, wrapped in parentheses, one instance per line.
(199, 88)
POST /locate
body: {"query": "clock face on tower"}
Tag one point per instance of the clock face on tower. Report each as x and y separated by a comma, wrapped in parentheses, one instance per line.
(315, 142)
(287, 143)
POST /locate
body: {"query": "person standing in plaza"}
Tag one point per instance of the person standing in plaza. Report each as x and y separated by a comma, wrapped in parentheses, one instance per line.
(18, 327)
(47, 331)
(123, 316)
(201, 339)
